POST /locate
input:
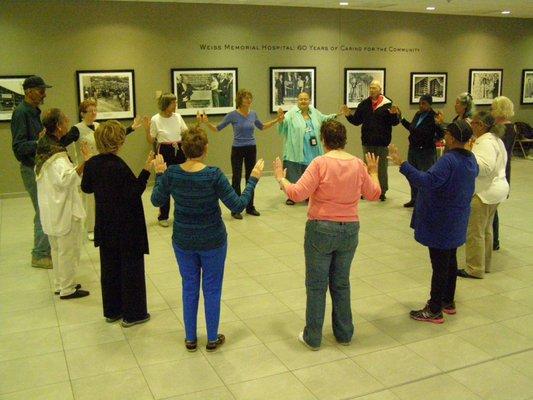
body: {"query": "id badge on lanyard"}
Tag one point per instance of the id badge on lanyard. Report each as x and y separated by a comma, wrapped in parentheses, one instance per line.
(312, 139)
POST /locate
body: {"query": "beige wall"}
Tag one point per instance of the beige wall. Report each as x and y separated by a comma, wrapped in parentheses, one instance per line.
(54, 39)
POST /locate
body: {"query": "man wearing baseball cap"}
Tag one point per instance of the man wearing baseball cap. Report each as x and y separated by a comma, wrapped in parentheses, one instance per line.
(25, 128)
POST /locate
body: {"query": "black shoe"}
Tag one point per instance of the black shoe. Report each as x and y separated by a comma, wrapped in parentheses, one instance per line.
(212, 346)
(496, 247)
(191, 346)
(289, 202)
(236, 215)
(409, 204)
(463, 274)
(78, 286)
(254, 212)
(382, 197)
(76, 295)
(110, 320)
(127, 324)
(426, 315)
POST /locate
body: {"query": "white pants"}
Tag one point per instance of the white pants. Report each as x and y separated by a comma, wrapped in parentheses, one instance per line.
(66, 257)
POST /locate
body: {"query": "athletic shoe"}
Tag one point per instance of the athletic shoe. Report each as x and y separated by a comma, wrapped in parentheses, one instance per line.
(426, 315)
(45, 262)
(449, 308)
(75, 295)
(302, 340)
(212, 346)
(164, 223)
(127, 324)
(78, 286)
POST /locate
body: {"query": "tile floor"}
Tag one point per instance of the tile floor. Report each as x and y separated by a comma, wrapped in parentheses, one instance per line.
(52, 349)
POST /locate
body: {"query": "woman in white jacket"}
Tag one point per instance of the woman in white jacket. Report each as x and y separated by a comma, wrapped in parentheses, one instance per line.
(60, 204)
(491, 189)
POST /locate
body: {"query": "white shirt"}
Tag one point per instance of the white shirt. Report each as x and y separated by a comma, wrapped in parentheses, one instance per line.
(491, 157)
(166, 130)
(58, 195)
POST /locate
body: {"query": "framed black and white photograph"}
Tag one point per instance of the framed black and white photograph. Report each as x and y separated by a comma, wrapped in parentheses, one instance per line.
(113, 90)
(432, 83)
(286, 83)
(527, 87)
(485, 85)
(210, 90)
(11, 94)
(357, 83)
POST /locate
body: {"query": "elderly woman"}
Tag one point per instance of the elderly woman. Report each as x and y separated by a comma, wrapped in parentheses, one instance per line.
(491, 189)
(120, 228)
(464, 108)
(441, 215)
(334, 184)
(199, 238)
(166, 128)
(423, 132)
(300, 128)
(244, 149)
(60, 205)
(502, 109)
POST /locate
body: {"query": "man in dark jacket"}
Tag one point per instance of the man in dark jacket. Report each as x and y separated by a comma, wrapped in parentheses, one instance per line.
(423, 132)
(378, 116)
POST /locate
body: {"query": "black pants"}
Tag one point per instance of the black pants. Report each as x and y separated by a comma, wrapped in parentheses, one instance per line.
(172, 156)
(444, 278)
(496, 231)
(422, 160)
(248, 154)
(123, 284)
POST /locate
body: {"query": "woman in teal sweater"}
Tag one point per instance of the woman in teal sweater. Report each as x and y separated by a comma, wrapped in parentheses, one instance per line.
(300, 129)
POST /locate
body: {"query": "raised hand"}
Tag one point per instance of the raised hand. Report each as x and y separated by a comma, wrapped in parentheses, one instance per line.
(149, 159)
(394, 155)
(281, 115)
(279, 172)
(395, 110)
(137, 122)
(159, 164)
(372, 163)
(85, 151)
(439, 118)
(258, 168)
(345, 110)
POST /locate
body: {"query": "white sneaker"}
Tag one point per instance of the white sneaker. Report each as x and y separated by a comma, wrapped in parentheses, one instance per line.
(90, 236)
(301, 339)
(164, 223)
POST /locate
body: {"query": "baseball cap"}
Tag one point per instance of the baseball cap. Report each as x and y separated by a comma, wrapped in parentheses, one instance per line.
(34, 81)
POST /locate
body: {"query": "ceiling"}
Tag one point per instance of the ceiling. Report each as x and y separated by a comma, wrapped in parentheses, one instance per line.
(482, 8)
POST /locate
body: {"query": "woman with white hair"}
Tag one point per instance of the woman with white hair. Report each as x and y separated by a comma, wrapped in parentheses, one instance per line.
(464, 107)
(502, 109)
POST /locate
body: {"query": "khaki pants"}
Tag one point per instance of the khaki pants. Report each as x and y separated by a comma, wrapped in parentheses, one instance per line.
(66, 257)
(479, 238)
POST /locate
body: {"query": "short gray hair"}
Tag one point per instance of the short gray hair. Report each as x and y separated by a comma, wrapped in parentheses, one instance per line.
(468, 102)
(486, 119)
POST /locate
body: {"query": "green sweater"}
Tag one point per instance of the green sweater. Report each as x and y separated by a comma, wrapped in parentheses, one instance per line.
(293, 130)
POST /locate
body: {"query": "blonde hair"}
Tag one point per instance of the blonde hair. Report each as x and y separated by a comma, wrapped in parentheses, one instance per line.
(241, 94)
(164, 100)
(502, 107)
(109, 137)
(193, 142)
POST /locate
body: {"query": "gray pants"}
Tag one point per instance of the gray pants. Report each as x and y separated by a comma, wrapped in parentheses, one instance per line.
(329, 250)
(382, 152)
(41, 246)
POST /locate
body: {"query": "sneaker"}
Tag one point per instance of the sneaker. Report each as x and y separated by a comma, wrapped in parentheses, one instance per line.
(127, 324)
(236, 215)
(409, 204)
(191, 345)
(78, 286)
(463, 274)
(164, 223)
(302, 340)
(449, 308)
(344, 343)
(110, 320)
(289, 202)
(212, 346)
(90, 236)
(382, 197)
(253, 212)
(426, 315)
(45, 262)
(78, 293)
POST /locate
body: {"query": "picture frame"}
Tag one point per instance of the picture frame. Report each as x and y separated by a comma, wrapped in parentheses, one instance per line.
(286, 83)
(526, 96)
(357, 82)
(11, 94)
(432, 83)
(485, 85)
(212, 91)
(113, 90)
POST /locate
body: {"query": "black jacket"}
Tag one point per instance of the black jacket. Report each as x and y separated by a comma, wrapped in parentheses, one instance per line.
(424, 135)
(120, 221)
(377, 125)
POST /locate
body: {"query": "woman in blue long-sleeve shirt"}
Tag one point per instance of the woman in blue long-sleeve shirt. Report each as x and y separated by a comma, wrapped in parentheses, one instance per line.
(199, 236)
(441, 215)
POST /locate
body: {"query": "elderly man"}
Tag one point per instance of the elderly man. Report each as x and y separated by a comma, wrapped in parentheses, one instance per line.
(25, 129)
(378, 116)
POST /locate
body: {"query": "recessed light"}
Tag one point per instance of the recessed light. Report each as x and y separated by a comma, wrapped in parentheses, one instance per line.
(343, 3)
(431, 8)
(506, 12)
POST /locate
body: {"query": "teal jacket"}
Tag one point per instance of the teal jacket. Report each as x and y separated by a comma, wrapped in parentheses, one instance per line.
(293, 130)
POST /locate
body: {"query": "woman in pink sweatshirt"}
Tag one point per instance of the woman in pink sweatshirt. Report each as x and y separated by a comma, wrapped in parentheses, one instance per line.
(334, 184)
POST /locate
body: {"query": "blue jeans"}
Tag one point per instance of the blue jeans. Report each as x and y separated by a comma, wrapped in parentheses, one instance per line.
(329, 251)
(41, 245)
(207, 266)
